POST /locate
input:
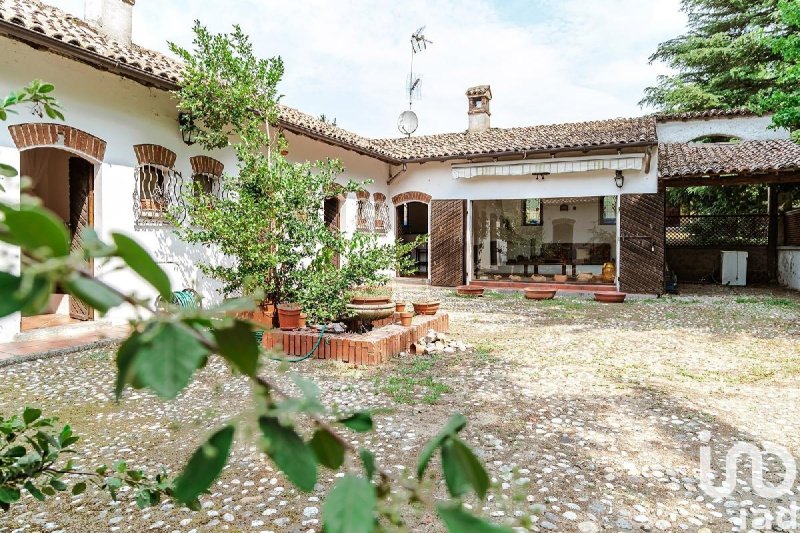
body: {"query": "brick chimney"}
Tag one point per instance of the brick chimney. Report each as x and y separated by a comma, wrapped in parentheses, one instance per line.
(112, 17)
(478, 112)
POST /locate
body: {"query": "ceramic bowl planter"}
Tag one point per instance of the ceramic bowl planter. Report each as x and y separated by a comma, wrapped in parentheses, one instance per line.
(540, 294)
(426, 308)
(469, 290)
(560, 278)
(288, 316)
(405, 318)
(371, 311)
(610, 297)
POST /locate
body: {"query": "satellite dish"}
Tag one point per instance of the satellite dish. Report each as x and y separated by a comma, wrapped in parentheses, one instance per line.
(407, 122)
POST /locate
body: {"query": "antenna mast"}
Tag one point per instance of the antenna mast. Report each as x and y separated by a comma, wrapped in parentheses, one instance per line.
(407, 122)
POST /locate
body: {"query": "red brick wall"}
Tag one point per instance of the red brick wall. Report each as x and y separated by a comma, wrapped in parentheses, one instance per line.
(154, 154)
(202, 164)
(374, 347)
(411, 196)
(35, 135)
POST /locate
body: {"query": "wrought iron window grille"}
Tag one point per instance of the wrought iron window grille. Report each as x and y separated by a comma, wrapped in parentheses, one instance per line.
(158, 195)
(373, 217)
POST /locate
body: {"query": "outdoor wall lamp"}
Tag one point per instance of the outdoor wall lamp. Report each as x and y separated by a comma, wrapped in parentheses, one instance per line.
(186, 121)
(619, 179)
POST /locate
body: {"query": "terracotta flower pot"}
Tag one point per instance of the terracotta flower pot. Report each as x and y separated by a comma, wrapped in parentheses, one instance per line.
(399, 307)
(426, 308)
(540, 294)
(405, 318)
(469, 290)
(302, 320)
(288, 316)
(610, 297)
(560, 278)
(264, 315)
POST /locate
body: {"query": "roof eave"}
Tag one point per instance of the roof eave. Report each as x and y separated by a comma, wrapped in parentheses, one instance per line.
(306, 132)
(36, 39)
(509, 153)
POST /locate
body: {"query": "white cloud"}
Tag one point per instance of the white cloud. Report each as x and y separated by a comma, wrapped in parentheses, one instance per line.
(546, 60)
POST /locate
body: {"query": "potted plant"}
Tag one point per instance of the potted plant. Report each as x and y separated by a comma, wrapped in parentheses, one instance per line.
(426, 306)
(469, 290)
(371, 294)
(289, 316)
(405, 318)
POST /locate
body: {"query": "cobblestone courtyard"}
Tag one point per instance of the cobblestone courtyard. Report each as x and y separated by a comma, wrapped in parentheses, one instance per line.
(587, 415)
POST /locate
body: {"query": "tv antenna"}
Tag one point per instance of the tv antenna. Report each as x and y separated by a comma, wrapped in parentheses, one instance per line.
(407, 122)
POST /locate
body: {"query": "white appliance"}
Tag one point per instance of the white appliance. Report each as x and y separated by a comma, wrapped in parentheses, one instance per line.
(734, 268)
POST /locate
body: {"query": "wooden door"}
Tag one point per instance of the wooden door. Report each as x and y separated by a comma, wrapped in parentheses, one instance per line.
(333, 219)
(81, 216)
(641, 247)
(447, 261)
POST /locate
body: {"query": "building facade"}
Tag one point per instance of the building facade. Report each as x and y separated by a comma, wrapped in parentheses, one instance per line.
(500, 206)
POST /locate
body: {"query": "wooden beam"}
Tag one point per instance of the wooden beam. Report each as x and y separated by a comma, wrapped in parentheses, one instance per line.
(747, 179)
(772, 233)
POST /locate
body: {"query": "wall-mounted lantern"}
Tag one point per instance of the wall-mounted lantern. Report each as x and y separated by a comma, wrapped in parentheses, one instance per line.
(188, 129)
(619, 179)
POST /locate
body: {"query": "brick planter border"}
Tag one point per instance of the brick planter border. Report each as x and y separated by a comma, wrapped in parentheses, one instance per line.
(374, 347)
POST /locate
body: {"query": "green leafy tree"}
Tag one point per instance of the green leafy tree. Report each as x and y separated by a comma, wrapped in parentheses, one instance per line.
(737, 53)
(725, 60)
(270, 221)
(784, 97)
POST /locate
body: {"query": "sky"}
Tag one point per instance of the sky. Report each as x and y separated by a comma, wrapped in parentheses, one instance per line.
(547, 61)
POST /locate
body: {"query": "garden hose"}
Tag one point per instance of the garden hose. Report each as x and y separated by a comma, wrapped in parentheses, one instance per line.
(295, 359)
(184, 299)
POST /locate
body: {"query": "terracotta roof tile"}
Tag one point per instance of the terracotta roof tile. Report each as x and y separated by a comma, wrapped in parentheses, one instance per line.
(708, 113)
(50, 21)
(748, 157)
(577, 135)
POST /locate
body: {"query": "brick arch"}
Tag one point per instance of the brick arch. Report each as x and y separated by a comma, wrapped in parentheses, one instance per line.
(153, 154)
(39, 135)
(411, 196)
(202, 164)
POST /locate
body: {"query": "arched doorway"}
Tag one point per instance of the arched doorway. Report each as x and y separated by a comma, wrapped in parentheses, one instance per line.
(413, 221)
(60, 161)
(64, 182)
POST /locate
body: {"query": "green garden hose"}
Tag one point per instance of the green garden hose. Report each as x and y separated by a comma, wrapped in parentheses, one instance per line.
(295, 359)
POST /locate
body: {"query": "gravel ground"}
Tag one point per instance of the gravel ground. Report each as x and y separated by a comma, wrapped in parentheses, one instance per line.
(589, 417)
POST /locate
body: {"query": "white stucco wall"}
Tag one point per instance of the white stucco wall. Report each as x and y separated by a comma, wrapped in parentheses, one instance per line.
(124, 113)
(789, 266)
(747, 128)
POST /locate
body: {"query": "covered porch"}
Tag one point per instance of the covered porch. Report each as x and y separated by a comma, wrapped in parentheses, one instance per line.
(566, 241)
(695, 242)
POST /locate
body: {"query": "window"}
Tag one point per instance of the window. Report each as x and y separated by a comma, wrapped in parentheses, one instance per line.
(153, 201)
(203, 184)
(532, 212)
(608, 210)
(365, 215)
